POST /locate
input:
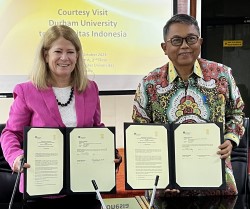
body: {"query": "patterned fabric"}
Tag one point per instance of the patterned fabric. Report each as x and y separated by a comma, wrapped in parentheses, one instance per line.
(209, 95)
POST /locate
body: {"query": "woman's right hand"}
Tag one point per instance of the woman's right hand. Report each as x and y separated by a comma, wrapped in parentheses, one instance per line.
(17, 164)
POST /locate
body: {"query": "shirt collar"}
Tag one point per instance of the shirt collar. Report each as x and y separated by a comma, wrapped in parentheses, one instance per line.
(172, 73)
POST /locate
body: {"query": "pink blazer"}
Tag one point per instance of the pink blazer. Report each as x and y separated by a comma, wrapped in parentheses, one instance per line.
(33, 107)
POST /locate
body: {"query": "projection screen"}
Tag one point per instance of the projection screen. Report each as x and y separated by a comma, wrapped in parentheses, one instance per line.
(121, 39)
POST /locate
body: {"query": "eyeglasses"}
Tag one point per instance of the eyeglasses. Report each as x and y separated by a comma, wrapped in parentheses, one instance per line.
(178, 41)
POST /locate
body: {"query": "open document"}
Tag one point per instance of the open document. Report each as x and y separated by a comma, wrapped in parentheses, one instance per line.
(183, 155)
(66, 160)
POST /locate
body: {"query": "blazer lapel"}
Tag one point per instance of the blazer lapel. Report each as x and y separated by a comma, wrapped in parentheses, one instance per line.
(48, 96)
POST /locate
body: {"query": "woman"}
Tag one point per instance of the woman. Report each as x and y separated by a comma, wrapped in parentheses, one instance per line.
(58, 94)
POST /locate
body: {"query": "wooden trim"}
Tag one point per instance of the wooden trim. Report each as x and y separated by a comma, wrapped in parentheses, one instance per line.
(193, 8)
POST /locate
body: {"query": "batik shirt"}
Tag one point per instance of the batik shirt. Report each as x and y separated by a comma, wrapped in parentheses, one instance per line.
(209, 95)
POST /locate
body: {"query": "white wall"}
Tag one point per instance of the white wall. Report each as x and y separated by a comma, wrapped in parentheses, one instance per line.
(115, 111)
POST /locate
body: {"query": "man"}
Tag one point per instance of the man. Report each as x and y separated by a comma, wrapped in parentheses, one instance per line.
(189, 89)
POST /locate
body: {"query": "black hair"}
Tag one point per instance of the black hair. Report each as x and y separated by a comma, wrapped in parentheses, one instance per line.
(180, 18)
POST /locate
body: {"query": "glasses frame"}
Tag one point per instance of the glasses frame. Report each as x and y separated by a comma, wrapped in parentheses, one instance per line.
(185, 38)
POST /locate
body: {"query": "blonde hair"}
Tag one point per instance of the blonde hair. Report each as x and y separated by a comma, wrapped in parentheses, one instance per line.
(40, 75)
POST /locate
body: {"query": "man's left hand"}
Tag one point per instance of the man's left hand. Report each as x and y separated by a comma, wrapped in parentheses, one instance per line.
(225, 149)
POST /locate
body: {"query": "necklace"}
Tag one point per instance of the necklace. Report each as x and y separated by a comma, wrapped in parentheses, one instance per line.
(69, 100)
